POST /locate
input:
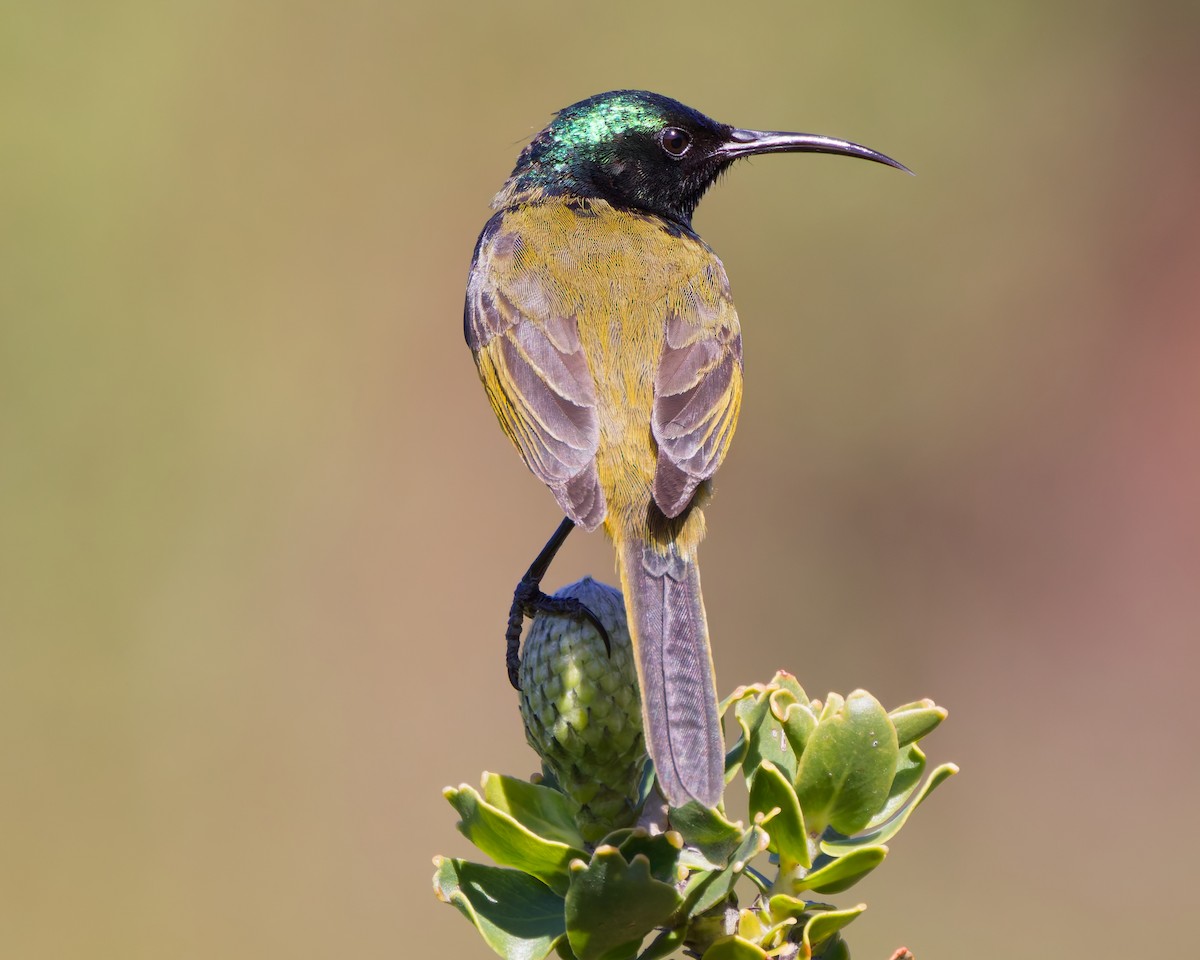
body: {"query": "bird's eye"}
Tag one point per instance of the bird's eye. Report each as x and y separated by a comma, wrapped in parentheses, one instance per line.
(675, 141)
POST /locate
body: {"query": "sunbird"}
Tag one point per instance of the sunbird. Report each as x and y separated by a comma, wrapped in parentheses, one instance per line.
(606, 338)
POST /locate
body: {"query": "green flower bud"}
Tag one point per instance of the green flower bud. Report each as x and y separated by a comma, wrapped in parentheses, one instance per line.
(582, 710)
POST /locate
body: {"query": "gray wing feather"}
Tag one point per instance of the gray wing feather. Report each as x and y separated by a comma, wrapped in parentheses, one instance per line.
(541, 388)
(695, 408)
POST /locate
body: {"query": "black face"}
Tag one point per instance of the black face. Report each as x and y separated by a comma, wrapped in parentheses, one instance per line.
(667, 171)
(632, 148)
(644, 151)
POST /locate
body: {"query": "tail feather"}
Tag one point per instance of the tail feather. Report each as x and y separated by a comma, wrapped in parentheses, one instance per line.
(679, 696)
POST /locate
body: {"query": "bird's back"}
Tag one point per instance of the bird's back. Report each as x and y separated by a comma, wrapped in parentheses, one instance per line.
(621, 290)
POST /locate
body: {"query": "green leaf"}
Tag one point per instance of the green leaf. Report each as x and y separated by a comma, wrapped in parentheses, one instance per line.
(792, 708)
(510, 843)
(833, 949)
(665, 944)
(772, 937)
(781, 705)
(842, 873)
(915, 720)
(798, 723)
(848, 764)
(705, 889)
(661, 850)
(618, 837)
(703, 828)
(834, 703)
(785, 681)
(750, 927)
(734, 757)
(734, 948)
(826, 923)
(547, 812)
(909, 769)
(751, 691)
(782, 906)
(771, 791)
(764, 732)
(840, 847)
(749, 710)
(611, 905)
(519, 917)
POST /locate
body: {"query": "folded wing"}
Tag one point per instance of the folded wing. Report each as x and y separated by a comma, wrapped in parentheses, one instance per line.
(697, 395)
(539, 384)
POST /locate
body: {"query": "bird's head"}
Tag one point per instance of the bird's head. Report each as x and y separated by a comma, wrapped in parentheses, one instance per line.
(644, 151)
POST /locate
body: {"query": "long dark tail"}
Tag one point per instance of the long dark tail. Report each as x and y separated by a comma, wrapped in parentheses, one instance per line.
(679, 695)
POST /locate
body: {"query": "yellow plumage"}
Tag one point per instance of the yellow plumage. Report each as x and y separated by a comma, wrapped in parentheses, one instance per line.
(620, 275)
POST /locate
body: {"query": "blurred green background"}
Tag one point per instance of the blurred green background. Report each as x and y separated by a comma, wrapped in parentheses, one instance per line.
(258, 528)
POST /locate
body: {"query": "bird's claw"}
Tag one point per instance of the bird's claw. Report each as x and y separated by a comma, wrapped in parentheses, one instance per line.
(573, 607)
(529, 600)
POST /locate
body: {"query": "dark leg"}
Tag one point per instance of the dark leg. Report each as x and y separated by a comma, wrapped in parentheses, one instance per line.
(528, 599)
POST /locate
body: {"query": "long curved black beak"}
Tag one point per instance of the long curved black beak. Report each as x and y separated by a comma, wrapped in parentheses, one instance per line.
(743, 143)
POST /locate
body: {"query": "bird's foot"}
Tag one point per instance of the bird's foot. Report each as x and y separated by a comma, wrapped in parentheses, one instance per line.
(529, 600)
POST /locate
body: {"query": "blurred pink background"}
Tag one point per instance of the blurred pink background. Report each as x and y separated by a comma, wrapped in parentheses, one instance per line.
(258, 528)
